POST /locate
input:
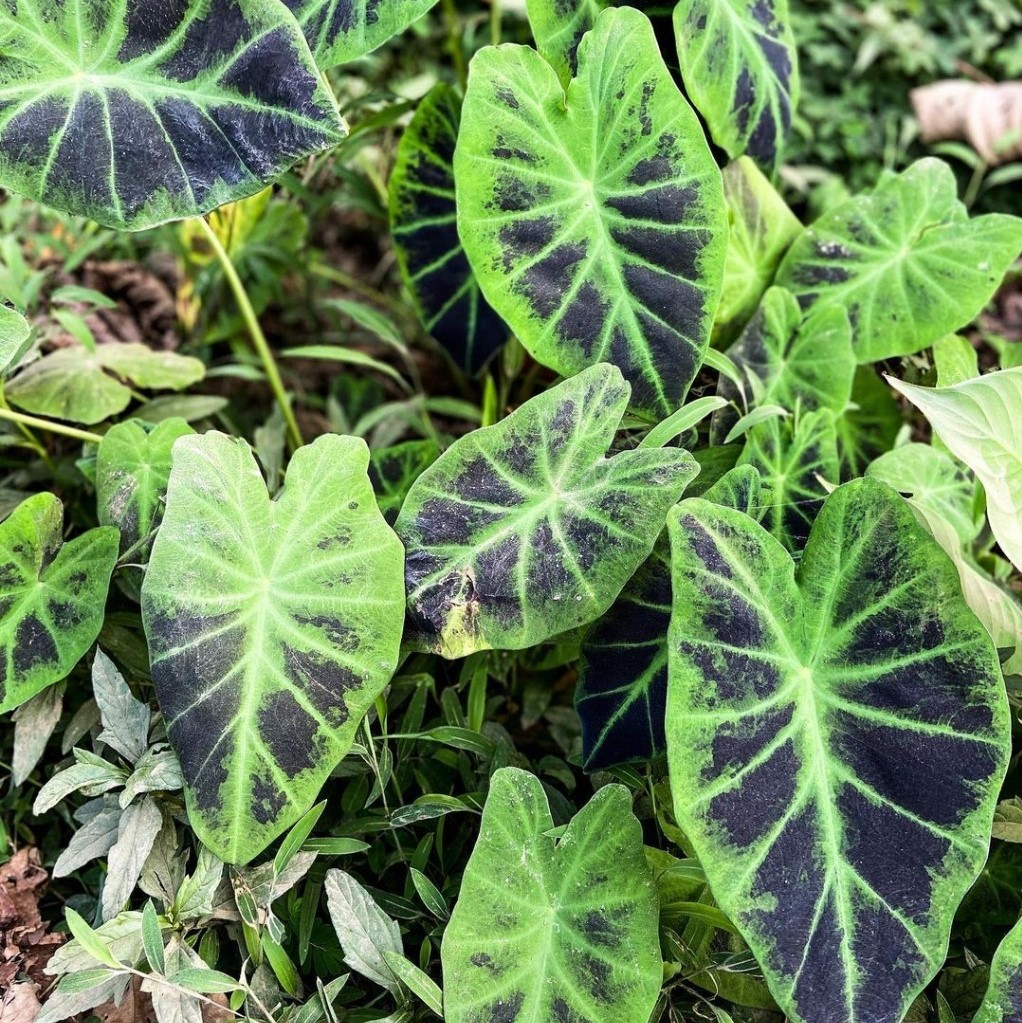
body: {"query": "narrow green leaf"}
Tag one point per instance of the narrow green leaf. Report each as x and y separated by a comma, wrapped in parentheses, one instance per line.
(272, 627)
(152, 938)
(837, 735)
(905, 261)
(296, 837)
(138, 113)
(206, 982)
(569, 929)
(52, 596)
(524, 529)
(430, 895)
(594, 218)
(684, 419)
(419, 983)
(90, 941)
(740, 68)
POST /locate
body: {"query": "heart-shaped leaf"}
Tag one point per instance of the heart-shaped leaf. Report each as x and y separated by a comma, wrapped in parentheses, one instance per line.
(558, 27)
(339, 31)
(52, 596)
(837, 735)
(980, 421)
(1002, 1002)
(423, 222)
(796, 458)
(132, 469)
(594, 218)
(272, 627)
(621, 697)
(525, 529)
(762, 228)
(138, 113)
(800, 364)
(551, 929)
(88, 387)
(740, 68)
(905, 261)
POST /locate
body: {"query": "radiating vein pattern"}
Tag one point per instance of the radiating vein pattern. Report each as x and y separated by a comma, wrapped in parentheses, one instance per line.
(739, 65)
(134, 113)
(905, 261)
(52, 596)
(837, 737)
(594, 219)
(549, 931)
(342, 30)
(524, 529)
(272, 626)
(423, 222)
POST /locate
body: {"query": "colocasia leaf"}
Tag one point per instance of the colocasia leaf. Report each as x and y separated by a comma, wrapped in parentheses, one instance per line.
(52, 596)
(423, 221)
(551, 930)
(339, 31)
(140, 111)
(800, 364)
(837, 735)
(88, 387)
(1003, 1000)
(594, 218)
(980, 421)
(558, 27)
(525, 529)
(621, 697)
(762, 228)
(132, 469)
(905, 261)
(740, 67)
(272, 627)
(796, 459)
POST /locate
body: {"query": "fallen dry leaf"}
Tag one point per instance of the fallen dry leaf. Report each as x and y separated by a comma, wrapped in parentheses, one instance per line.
(25, 942)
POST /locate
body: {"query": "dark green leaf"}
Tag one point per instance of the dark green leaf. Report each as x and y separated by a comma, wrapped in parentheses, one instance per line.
(837, 736)
(594, 219)
(52, 596)
(272, 627)
(423, 221)
(135, 113)
(552, 930)
(905, 261)
(524, 529)
(740, 68)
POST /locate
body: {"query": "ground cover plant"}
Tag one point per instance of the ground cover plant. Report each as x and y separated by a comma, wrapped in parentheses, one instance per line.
(597, 601)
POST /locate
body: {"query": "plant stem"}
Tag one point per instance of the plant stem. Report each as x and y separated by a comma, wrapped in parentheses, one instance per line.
(44, 424)
(495, 17)
(259, 341)
(454, 41)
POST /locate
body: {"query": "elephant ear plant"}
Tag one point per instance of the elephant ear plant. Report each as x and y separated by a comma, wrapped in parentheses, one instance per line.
(786, 640)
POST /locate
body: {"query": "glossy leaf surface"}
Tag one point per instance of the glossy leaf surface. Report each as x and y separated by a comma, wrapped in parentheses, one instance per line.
(272, 626)
(594, 218)
(137, 113)
(553, 929)
(621, 696)
(740, 68)
(132, 469)
(837, 735)
(906, 261)
(88, 387)
(981, 422)
(342, 30)
(52, 596)
(423, 222)
(525, 529)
